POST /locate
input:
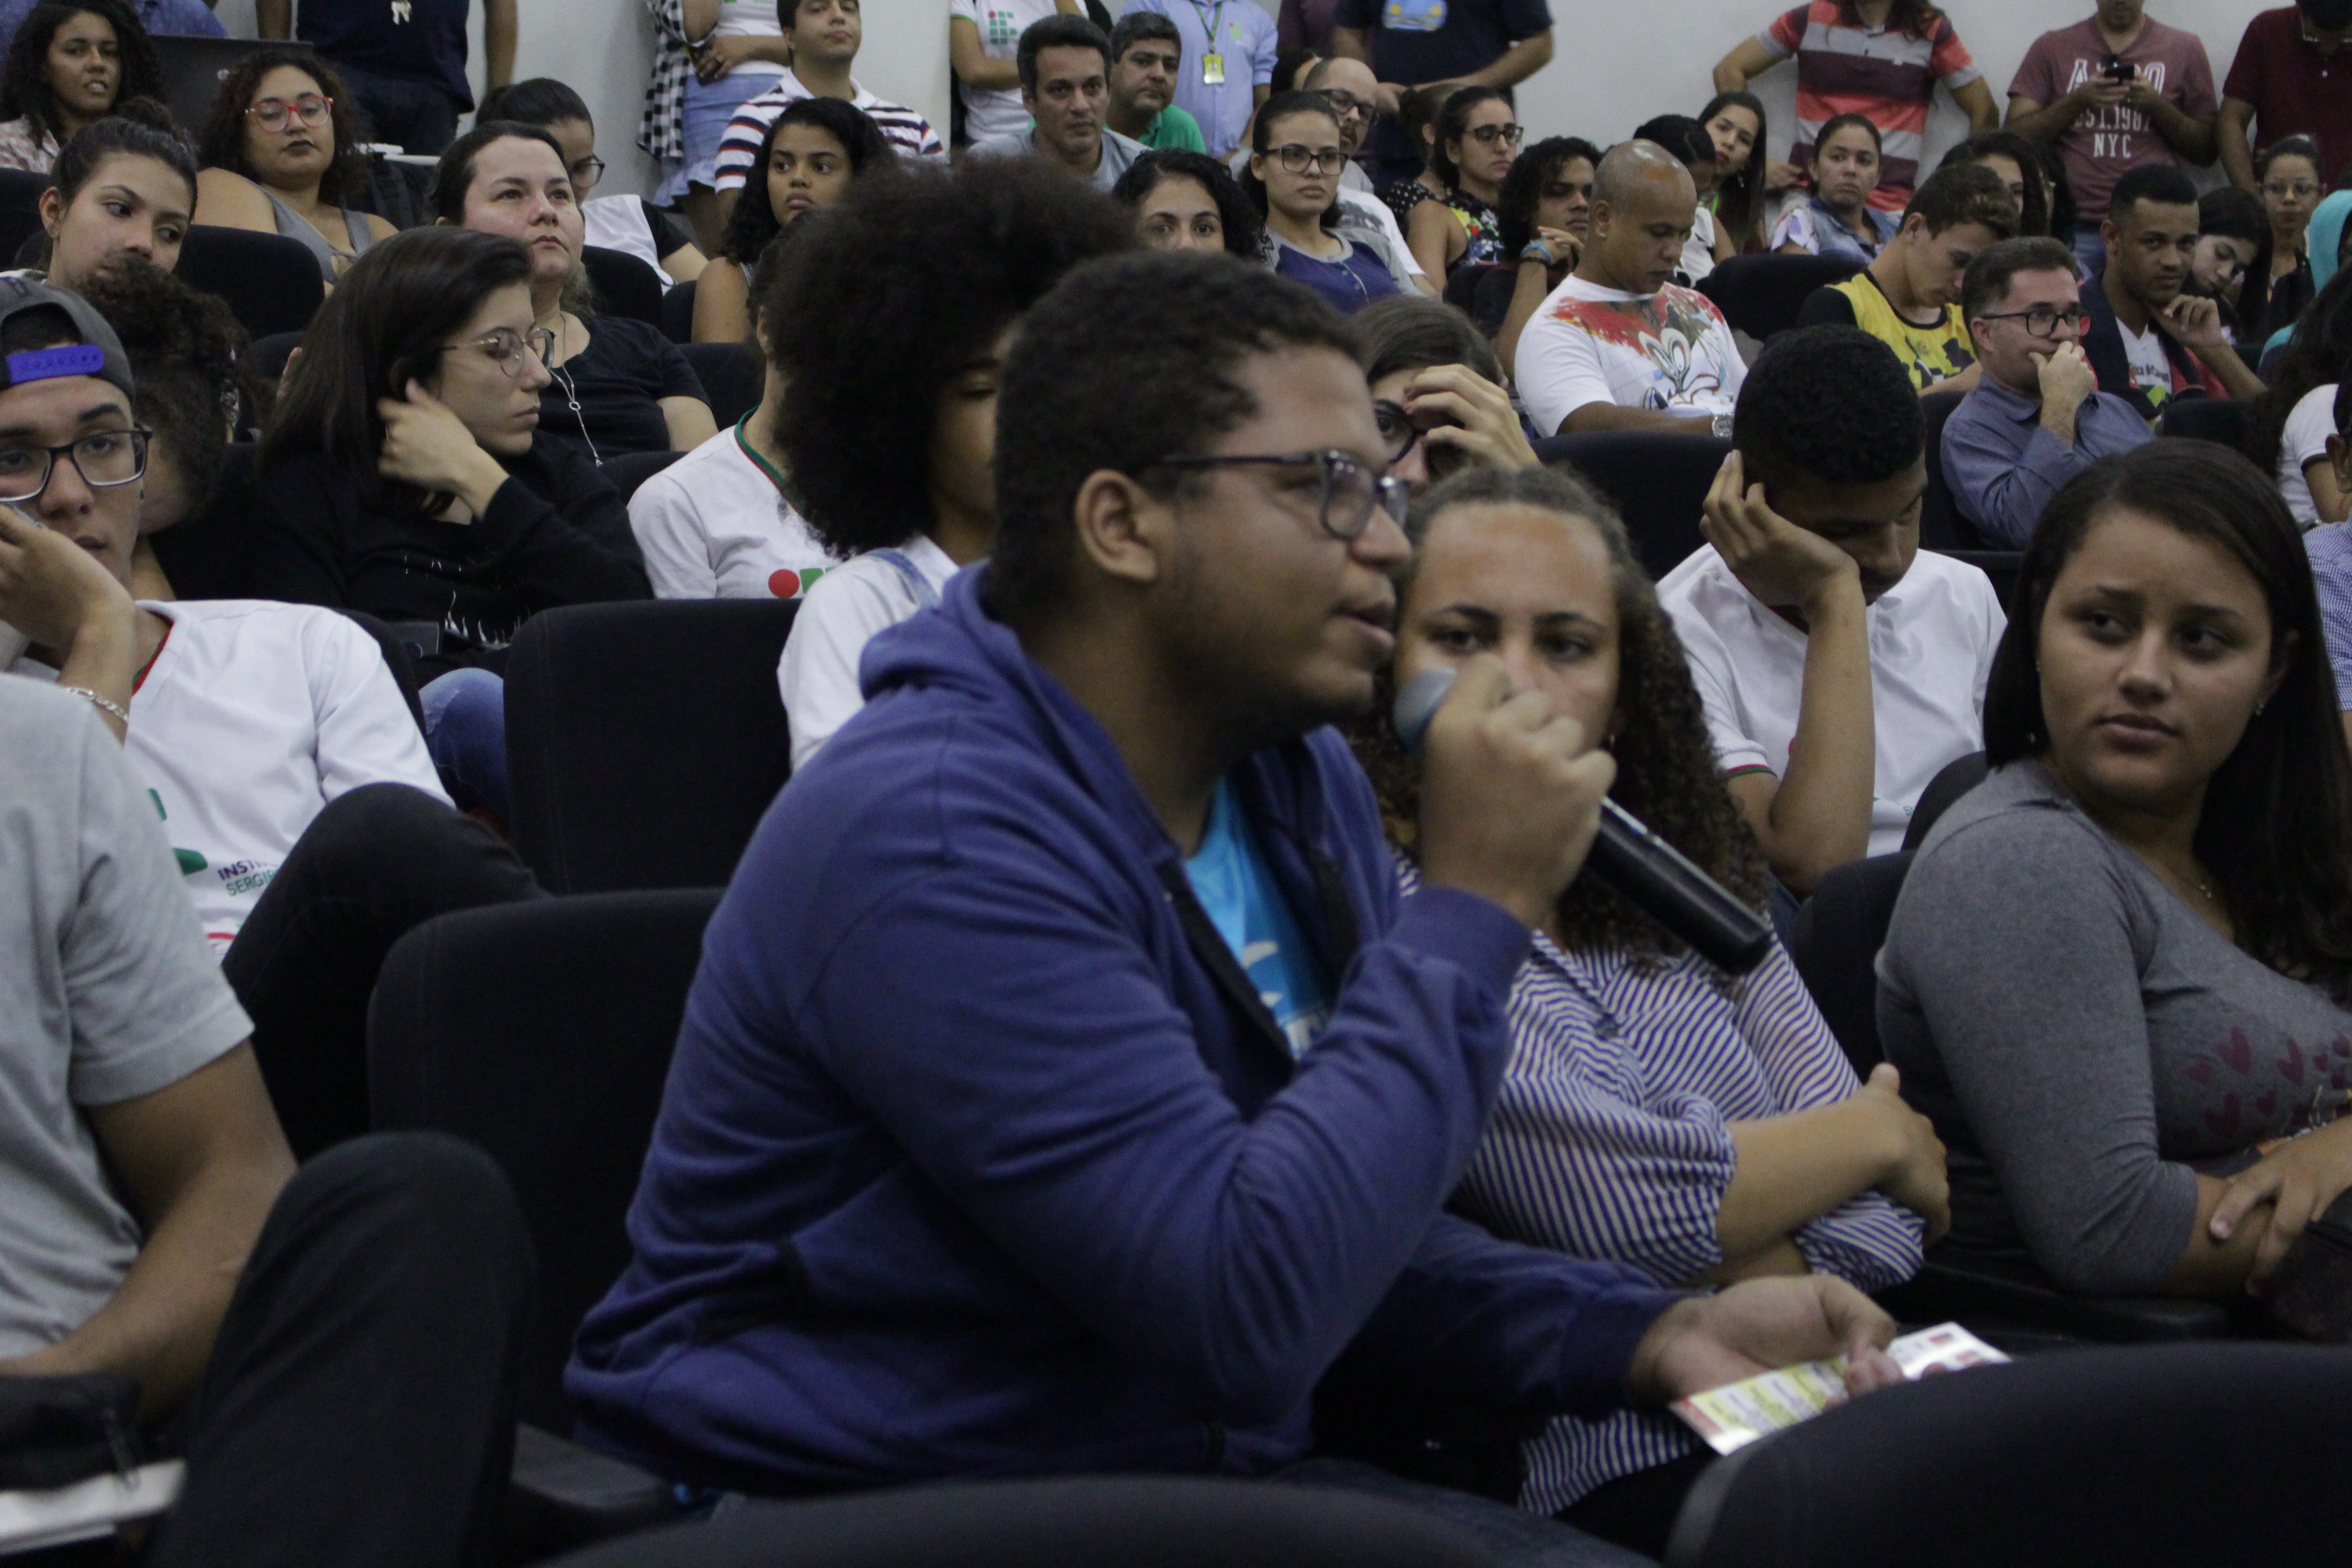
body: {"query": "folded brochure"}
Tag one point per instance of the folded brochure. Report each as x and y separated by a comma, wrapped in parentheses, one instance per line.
(1738, 1412)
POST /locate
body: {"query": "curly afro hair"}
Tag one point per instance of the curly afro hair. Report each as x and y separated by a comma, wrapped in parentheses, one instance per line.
(188, 359)
(894, 292)
(221, 145)
(1667, 772)
(25, 91)
(1523, 188)
(1832, 405)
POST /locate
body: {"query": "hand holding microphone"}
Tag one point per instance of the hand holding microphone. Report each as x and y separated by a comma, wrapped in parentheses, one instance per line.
(1511, 794)
(1545, 795)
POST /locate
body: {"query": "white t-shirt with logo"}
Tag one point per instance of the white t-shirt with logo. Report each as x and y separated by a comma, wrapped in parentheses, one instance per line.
(2304, 440)
(1932, 638)
(252, 718)
(1671, 350)
(997, 111)
(716, 525)
(818, 674)
(2151, 371)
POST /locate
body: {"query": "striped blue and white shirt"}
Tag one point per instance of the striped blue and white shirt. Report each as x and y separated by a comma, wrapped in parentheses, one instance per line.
(1609, 1141)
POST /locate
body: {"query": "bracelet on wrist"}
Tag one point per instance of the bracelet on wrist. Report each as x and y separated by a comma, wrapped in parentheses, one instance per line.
(103, 704)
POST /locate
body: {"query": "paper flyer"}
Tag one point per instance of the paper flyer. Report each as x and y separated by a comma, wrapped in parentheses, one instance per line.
(1736, 1414)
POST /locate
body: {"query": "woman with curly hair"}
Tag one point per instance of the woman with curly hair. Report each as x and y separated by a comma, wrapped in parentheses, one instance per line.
(1655, 1112)
(70, 64)
(1189, 200)
(281, 155)
(807, 159)
(904, 303)
(1546, 207)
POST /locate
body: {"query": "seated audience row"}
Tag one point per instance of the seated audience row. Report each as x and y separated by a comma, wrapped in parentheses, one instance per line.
(1084, 804)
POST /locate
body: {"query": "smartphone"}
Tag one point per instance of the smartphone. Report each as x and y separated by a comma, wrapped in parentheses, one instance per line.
(2117, 69)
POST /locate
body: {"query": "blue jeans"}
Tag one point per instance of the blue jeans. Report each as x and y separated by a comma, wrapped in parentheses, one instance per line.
(466, 732)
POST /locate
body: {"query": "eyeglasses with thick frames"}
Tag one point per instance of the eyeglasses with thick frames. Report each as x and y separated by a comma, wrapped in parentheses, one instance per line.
(310, 109)
(1352, 489)
(1398, 432)
(505, 349)
(104, 459)
(1296, 158)
(586, 172)
(2042, 320)
(1488, 135)
(1345, 104)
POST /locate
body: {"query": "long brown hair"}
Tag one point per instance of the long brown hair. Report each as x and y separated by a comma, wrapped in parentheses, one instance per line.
(1667, 772)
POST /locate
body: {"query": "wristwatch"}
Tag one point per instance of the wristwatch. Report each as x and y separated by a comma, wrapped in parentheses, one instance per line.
(1723, 426)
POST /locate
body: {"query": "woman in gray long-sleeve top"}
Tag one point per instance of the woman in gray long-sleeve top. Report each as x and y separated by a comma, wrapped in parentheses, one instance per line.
(2123, 962)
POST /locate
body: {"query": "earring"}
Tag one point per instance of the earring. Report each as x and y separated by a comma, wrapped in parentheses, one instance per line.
(2261, 703)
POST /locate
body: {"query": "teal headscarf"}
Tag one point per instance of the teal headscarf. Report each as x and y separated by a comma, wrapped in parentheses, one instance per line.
(2322, 239)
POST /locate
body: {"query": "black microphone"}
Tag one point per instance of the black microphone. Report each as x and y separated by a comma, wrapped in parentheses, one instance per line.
(1630, 861)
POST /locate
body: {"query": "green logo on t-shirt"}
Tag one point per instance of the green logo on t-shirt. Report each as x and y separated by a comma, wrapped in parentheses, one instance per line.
(190, 861)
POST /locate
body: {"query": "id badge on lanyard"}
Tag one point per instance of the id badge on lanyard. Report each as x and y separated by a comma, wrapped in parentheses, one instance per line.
(1212, 61)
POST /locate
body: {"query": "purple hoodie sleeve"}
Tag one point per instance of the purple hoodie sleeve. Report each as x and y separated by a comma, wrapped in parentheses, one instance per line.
(1040, 1072)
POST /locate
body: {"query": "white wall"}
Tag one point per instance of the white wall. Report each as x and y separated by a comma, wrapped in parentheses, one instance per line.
(1616, 65)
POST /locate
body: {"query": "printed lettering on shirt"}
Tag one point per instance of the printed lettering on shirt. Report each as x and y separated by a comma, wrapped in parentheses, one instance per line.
(2112, 128)
(244, 877)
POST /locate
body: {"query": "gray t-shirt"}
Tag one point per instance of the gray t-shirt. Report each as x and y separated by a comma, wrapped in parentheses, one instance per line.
(1118, 153)
(2079, 1037)
(106, 995)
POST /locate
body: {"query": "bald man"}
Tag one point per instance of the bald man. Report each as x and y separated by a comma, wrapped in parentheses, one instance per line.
(1617, 346)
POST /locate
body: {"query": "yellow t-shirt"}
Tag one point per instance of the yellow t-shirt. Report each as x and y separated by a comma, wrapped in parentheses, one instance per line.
(1929, 354)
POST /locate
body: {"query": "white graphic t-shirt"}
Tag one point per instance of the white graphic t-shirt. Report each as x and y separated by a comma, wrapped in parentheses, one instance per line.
(1671, 350)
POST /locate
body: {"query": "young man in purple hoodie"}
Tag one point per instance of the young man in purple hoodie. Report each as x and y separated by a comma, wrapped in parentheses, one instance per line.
(1066, 1086)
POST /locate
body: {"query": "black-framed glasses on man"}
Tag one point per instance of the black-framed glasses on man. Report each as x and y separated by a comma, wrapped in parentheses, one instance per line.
(2042, 320)
(103, 458)
(1347, 105)
(1488, 135)
(586, 172)
(1295, 158)
(1352, 489)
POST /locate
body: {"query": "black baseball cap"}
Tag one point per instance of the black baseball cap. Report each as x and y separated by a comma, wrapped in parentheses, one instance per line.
(99, 354)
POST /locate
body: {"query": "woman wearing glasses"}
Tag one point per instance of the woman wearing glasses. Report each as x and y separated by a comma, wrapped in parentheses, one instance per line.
(68, 66)
(1476, 139)
(281, 155)
(1437, 392)
(619, 385)
(1293, 181)
(2287, 177)
(404, 474)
